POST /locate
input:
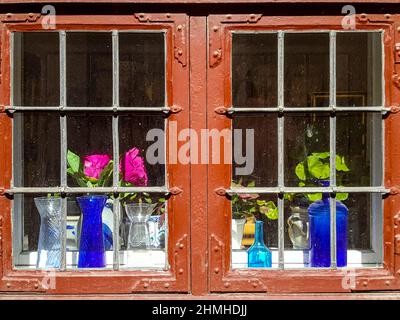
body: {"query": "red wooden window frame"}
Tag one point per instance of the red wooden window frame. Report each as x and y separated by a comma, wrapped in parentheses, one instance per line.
(176, 279)
(222, 277)
(201, 263)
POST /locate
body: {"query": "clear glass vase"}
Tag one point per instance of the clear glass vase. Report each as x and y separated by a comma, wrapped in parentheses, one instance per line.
(139, 214)
(50, 236)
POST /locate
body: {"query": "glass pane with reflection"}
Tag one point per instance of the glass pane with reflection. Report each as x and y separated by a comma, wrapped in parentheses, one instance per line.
(143, 231)
(89, 69)
(36, 69)
(246, 210)
(306, 69)
(36, 149)
(306, 149)
(142, 160)
(90, 150)
(359, 149)
(255, 153)
(254, 70)
(141, 69)
(359, 69)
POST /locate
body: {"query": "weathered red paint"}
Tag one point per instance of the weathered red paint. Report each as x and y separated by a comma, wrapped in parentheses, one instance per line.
(223, 279)
(199, 251)
(177, 278)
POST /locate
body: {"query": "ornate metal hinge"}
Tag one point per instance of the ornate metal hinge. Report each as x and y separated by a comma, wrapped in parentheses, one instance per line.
(222, 282)
(396, 80)
(373, 18)
(216, 32)
(172, 282)
(19, 17)
(180, 31)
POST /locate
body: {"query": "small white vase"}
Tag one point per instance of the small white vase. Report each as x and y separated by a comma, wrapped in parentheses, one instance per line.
(237, 232)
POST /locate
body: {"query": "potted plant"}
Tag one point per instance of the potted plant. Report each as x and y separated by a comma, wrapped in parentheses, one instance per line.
(314, 170)
(244, 208)
(97, 171)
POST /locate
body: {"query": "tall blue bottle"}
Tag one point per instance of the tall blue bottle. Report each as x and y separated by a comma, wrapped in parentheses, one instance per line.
(259, 256)
(319, 217)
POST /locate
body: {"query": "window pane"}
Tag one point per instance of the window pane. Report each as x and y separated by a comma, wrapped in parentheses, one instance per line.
(143, 231)
(142, 69)
(359, 228)
(359, 69)
(36, 149)
(143, 162)
(90, 138)
(89, 69)
(254, 70)
(307, 70)
(246, 210)
(36, 69)
(255, 152)
(359, 145)
(306, 148)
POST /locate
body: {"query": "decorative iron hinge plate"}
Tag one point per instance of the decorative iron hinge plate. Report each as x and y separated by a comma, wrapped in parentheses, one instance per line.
(216, 33)
(180, 31)
(19, 17)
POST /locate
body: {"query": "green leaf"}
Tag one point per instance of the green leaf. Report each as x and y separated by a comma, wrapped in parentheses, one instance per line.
(74, 161)
(251, 184)
(314, 196)
(300, 172)
(162, 200)
(302, 184)
(89, 184)
(148, 200)
(340, 164)
(342, 196)
(322, 155)
(317, 168)
(261, 202)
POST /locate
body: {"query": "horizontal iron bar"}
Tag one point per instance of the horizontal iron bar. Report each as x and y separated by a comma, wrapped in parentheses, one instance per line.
(309, 109)
(87, 190)
(91, 109)
(274, 190)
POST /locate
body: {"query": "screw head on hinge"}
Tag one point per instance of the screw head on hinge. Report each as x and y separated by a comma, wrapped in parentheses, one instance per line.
(220, 191)
(175, 191)
(221, 110)
(175, 108)
(394, 109)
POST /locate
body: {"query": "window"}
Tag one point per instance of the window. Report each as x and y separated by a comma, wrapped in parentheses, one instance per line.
(65, 87)
(285, 86)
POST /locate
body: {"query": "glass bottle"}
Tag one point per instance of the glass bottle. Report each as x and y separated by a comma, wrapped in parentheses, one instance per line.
(259, 256)
(319, 214)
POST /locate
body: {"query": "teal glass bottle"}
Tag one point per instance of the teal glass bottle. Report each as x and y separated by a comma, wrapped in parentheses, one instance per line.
(258, 255)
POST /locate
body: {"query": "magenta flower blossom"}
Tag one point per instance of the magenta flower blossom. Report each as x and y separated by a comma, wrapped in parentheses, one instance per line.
(133, 169)
(95, 164)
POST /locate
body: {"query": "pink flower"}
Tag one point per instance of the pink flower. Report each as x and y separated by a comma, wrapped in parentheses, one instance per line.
(133, 169)
(94, 164)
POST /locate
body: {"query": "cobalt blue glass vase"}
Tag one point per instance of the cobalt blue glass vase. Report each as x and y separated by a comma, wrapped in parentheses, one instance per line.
(91, 245)
(259, 256)
(319, 215)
